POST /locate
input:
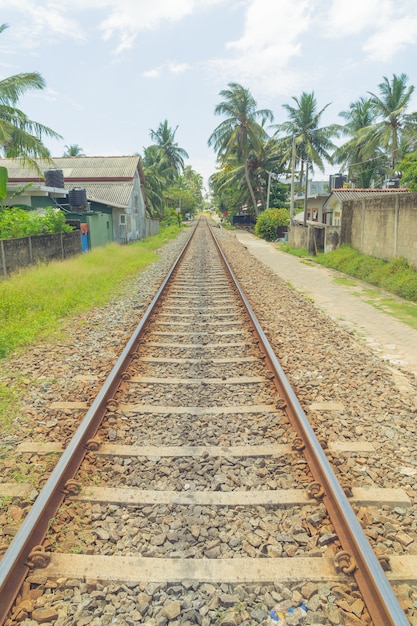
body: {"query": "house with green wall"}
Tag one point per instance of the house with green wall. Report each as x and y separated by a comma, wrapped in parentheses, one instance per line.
(111, 190)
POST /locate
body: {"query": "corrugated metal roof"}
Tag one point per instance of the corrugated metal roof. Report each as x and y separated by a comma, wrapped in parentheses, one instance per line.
(113, 194)
(354, 194)
(113, 167)
(108, 180)
(342, 195)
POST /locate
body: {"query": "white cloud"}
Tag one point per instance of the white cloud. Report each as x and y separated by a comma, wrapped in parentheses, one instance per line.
(172, 67)
(272, 38)
(350, 17)
(388, 25)
(128, 17)
(392, 37)
(40, 22)
(155, 72)
(124, 18)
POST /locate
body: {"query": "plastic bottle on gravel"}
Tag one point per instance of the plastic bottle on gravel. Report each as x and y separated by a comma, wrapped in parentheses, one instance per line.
(292, 617)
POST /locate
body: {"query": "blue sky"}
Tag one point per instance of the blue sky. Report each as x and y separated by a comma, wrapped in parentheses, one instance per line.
(117, 68)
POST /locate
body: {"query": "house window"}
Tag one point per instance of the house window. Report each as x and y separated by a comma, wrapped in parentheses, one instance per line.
(122, 219)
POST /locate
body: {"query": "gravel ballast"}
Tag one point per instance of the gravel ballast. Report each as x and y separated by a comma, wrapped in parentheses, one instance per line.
(324, 363)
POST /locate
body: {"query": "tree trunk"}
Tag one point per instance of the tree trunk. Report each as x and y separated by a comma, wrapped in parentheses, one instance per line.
(255, 207)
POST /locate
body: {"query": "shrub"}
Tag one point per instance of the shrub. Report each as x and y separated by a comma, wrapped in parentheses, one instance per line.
(268, 222)
(395, 276)
(16, 222)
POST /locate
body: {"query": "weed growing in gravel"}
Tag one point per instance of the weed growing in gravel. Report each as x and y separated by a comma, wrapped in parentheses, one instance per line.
(5, 501)
(34, 301)
(8, 397)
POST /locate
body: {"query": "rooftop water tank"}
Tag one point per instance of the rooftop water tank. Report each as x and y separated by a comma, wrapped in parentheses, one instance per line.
(54, 177)
(77, 198)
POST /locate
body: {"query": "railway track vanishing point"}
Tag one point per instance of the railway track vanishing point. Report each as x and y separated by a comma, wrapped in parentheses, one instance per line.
(241, 446)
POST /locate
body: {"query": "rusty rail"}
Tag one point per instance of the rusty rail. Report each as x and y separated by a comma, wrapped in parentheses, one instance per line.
(357, 557)
(14, 564)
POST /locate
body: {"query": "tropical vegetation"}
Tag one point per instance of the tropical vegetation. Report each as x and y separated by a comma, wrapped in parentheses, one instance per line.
(73, 150)
(240, 139)
(36, 301)
(396, 276)
(17, 222)
(379, 142)
(269, 221)
(173, 190)
(408, 169)
(21, 137)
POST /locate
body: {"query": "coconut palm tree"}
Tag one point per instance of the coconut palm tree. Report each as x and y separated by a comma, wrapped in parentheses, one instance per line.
(363, 166)
(394, 127)
(169, 149)
(240, 134)
(73, 150)
(312, 142)
(21, 137)
(263, 168)
(156, 180)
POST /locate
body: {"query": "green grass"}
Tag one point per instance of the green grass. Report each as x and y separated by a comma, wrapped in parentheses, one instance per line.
(347, 282)
(8, 411)
(300, 252)
(406, 312)
(396, 277)
(34, 302)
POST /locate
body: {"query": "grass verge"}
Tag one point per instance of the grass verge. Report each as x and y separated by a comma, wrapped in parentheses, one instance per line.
(396, 277)
(35, 300)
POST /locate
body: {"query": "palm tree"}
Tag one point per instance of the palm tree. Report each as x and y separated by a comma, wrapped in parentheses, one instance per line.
(73, 150)
(363, 166)
(263, 168)
(239, 134)
(193, 181)
(395, 126)
(155, 180)
(312, 142)
(169, 149)
(21, 137)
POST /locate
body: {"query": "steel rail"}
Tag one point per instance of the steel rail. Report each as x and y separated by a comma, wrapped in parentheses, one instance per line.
(13, 565)
(378, 595)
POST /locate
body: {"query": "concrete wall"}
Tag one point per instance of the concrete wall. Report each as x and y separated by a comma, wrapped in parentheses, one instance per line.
(151, 227)
(331, 238)
(18, 253)
(297, 236)
(314, 237)
(382, 227)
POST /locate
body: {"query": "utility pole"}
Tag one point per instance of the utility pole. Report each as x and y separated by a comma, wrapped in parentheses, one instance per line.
(306, 195)
(292, 181)
(268, 193)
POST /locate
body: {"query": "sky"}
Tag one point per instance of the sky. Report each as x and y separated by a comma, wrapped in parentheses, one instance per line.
(116, 69)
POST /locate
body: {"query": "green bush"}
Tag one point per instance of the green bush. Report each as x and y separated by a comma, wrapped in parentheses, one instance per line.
(268, 222)
(395, 276)
(16, 222)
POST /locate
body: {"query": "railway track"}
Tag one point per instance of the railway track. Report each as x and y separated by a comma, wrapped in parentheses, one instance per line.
(195, 468)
